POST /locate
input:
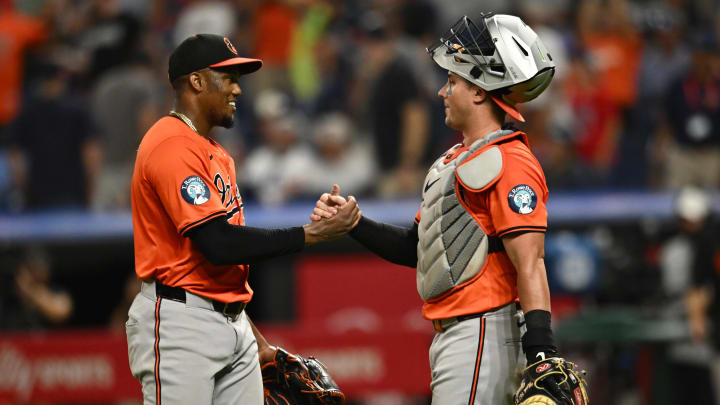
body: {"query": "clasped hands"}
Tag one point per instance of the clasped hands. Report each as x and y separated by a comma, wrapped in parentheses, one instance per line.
(332, 217)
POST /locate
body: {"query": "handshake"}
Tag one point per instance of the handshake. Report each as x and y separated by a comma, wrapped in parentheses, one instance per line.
(332, 217)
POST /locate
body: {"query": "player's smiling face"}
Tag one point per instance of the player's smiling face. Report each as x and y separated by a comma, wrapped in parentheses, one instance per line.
(457, 97)
(223, 90)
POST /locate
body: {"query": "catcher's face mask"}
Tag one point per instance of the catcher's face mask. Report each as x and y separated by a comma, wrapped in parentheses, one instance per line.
(499, 52)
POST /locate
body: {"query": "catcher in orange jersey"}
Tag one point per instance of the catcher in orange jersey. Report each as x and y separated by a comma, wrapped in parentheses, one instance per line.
(189, 339)
(478, 238)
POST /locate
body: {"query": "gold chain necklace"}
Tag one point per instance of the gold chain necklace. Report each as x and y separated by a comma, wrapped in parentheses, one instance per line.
(184, 119)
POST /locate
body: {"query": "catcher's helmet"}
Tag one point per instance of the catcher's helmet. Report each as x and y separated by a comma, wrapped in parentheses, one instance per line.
(501, 52)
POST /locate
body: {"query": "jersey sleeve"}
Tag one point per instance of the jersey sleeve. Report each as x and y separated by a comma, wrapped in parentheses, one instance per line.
(517, 202)
(182, 180)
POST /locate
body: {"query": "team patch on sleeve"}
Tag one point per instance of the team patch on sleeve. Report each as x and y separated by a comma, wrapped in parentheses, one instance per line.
(195, 191)
(522, 199)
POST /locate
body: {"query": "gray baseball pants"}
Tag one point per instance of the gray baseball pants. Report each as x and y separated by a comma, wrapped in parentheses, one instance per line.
(189, 354)
(478, 361)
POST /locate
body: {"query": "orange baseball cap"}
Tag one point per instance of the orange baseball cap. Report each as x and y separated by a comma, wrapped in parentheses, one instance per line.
(207, 50)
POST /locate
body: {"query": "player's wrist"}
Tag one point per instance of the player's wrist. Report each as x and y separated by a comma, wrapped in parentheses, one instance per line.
(310, 235)
(313, 234)
(538, 342)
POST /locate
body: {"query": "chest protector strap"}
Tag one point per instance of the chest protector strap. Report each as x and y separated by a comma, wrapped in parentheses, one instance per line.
(452, 247)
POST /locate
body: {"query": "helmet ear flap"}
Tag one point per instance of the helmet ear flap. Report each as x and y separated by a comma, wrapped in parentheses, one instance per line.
(530, 89)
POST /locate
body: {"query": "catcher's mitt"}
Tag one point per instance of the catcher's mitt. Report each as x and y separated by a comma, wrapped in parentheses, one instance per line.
(294, 380)
(552, 381)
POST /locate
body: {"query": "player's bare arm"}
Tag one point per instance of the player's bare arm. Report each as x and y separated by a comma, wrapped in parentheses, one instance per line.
(526, 251)
(266, 352)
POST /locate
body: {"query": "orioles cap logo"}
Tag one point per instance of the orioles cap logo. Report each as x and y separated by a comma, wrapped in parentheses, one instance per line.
(230, 45)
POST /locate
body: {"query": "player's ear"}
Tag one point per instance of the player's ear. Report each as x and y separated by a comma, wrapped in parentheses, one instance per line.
(197, 81)
(478, 95)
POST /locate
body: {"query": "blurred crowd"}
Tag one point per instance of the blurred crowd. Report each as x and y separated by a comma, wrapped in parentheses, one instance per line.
(348, 94)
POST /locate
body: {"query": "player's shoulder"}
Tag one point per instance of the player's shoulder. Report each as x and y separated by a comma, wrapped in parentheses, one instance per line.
(508, 156)
(520, 165)
(167, 136)
(516, 152)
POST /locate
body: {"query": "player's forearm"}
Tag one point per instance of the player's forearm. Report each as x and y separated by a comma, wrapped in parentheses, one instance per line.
(526, 252)
(534, 297)
(533, 288)
(265, 350)
(222, 243)
(395, 244)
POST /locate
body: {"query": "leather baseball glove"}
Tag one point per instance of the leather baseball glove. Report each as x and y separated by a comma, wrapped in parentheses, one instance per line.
(291, 379)
(552, 381)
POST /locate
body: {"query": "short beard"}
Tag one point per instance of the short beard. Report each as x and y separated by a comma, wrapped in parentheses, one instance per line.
(228, 121)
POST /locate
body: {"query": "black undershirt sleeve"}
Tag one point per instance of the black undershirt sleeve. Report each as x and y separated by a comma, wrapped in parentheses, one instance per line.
(395, 244)
(223, 243)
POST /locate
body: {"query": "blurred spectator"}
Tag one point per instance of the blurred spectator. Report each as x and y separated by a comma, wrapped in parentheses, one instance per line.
(204, 17)
(28, 299)
(340, 157)
(124, 103)
(112, 37)
(612, 54)
(388, 93)
(54, 156)
(450, 11)
(689, 248)
(561, 165)
(687, 260)
(274, 25)
(275, 170)
(613, 46)
(333, 61)
(692, 109)
(419, 30)
(663, 59)
(594, 119)
(303, 64)
(17, 33)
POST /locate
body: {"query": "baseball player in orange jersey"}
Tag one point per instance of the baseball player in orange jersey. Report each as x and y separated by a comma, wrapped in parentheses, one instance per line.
(478, 238)
(189, 340)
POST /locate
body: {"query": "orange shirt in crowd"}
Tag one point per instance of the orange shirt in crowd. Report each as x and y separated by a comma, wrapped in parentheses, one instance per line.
(273, 30)
(616, 59)
(17, 33)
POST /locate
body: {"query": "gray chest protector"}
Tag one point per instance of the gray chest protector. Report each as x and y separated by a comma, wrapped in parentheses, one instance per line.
(452, 247)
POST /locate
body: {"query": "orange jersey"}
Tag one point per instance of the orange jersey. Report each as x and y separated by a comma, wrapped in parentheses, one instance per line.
(182, 180)
(514, 202)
